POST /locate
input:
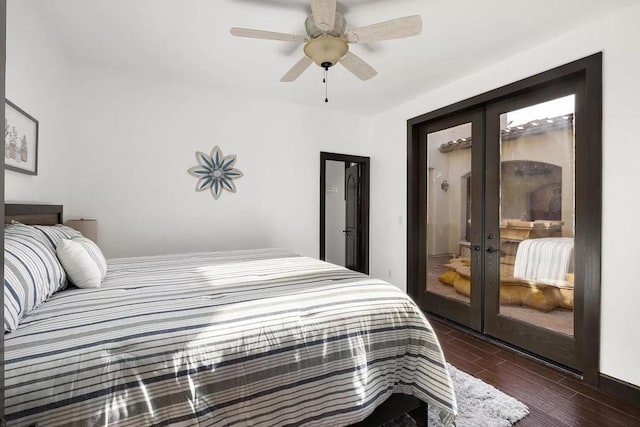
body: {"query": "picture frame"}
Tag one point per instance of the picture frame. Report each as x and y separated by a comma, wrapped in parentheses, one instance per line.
(20, 140)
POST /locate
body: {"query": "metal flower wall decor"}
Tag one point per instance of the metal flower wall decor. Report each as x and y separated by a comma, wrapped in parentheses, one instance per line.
(215, 172)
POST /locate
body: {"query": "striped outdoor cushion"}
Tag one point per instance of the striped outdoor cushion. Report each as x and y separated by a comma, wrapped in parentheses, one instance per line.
(32, 273)
(54, 233)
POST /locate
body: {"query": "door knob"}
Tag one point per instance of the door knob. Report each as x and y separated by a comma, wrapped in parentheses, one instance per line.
(476, 248)
(491, 250)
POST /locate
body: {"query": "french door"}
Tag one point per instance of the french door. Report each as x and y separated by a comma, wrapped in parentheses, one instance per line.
(531, 297)
(454, 153)
(504, 216)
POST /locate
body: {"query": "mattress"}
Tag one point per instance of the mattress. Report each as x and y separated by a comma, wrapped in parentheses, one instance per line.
(240, 338)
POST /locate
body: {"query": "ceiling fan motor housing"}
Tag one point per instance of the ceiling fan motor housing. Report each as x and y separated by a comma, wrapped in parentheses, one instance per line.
(313, 31)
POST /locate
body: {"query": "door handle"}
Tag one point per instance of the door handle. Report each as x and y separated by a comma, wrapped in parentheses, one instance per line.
(475, 248)
(491, 250)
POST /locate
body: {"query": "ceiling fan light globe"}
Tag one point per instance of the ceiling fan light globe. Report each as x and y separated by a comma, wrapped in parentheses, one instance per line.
(326, 50)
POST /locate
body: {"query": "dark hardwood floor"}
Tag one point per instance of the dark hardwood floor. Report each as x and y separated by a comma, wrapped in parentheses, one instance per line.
(554, 398)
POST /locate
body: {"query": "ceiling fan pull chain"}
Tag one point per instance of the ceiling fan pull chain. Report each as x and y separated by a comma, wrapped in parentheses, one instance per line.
(326, 85)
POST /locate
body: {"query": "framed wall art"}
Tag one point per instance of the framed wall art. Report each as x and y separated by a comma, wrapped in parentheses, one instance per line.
(20, 140)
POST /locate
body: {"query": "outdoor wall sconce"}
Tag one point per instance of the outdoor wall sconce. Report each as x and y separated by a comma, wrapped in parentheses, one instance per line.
(444, 185)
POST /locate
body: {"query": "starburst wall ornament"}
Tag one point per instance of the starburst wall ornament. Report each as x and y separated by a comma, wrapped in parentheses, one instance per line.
(215, 172)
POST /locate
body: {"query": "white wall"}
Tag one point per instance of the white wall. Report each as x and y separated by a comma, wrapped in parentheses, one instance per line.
(134, 139)
(335, 213)
(117, 147)
(36, 81)
(617, 35)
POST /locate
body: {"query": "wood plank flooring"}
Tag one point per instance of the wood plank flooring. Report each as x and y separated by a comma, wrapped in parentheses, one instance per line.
(554, 398)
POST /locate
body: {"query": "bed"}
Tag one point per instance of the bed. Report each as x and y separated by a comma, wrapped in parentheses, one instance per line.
(256, 337)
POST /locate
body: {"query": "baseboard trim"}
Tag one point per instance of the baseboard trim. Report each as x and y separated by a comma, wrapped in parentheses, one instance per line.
(620, 389)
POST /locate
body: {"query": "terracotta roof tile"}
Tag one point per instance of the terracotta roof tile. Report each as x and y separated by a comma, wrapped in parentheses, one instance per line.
(534, 127)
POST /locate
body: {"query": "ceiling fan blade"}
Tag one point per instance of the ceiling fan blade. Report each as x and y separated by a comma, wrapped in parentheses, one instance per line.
(290, 48)
(267, 35)
(358, 66)
(297, 70)
(324, 14)
(394, 29)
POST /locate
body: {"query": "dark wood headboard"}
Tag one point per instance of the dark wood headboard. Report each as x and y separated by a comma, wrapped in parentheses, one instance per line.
(33, 214)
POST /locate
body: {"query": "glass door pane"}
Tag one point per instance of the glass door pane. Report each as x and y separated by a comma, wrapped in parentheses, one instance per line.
(449, 213)
(537, 214)
(454, 220)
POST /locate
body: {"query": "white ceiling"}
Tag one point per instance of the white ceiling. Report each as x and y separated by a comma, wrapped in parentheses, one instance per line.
(190, 40)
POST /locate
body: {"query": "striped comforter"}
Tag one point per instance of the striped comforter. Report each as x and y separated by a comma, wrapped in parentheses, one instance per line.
(241, 338)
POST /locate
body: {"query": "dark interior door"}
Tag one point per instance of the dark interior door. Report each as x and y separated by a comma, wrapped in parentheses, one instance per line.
(352, 219)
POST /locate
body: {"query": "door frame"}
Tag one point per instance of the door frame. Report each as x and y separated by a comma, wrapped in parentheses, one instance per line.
(3, 60)
(364, 163)
(589, 166)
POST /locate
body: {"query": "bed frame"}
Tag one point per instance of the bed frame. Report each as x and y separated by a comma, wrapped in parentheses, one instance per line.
(33, 214)
(396, 405)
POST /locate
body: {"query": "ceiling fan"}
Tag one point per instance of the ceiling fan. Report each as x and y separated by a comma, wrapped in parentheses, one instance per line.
(327, 40)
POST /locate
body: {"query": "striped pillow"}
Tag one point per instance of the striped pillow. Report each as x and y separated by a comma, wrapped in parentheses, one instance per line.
(55, 233)
(32, 273)
(83, 261)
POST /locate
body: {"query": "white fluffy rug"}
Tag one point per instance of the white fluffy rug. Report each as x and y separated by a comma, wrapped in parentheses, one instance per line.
(480, 404)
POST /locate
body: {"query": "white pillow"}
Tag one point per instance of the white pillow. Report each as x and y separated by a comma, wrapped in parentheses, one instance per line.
(83, 261)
